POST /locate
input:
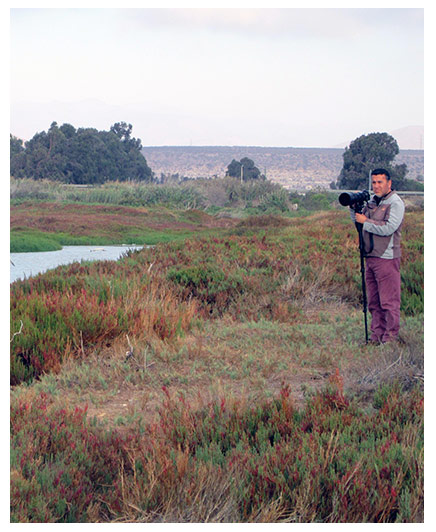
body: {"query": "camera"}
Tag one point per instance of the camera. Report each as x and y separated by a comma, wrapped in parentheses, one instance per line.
(354, 200)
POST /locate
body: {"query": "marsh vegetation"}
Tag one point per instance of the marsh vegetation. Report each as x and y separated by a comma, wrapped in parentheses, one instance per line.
(217, 377)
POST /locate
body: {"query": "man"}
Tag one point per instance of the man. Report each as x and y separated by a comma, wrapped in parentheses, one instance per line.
(382, 219)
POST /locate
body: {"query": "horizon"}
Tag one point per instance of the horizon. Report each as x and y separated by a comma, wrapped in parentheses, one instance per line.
(406, 135)
(257, 146)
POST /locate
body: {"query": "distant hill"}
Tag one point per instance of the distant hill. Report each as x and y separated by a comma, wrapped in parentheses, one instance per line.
(408, 138)
(301, 168)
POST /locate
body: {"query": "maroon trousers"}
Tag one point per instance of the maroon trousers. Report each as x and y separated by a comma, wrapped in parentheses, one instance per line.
(383, 285)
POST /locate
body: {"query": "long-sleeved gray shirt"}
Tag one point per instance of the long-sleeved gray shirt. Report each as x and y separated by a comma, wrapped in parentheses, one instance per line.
(384, 226)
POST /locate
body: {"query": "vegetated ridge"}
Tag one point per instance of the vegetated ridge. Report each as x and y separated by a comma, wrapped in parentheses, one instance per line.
(301, 168)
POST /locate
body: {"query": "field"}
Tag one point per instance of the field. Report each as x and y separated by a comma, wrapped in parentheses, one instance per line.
(47, 226)
(218, 377)
(46, 216)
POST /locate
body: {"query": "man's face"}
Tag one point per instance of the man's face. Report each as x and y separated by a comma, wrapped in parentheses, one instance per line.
(381, 185)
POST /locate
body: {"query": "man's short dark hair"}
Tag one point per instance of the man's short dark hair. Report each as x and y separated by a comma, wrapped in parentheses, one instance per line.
(381, 171)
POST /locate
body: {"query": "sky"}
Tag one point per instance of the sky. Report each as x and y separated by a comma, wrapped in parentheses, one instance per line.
(233, 76)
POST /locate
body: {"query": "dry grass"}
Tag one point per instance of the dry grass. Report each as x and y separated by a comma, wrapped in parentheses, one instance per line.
(155, 389)
(122, 384)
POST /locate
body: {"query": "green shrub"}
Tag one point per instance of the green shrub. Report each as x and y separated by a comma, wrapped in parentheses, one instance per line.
(227, 461)
(214, 287)
(412, 284)
(275, 201)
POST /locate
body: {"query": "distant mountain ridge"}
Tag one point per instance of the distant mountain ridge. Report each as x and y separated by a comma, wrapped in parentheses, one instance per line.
(408, 138)
(302, 168)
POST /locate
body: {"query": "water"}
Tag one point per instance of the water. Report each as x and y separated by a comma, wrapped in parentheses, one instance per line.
(24, 265)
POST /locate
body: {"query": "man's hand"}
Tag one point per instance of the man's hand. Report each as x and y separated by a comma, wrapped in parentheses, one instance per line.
(361, 218)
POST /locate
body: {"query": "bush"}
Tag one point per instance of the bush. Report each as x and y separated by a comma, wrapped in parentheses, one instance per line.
(90, 305)
(275, 201)
(224, 462)
(314, 201)
(214, 287)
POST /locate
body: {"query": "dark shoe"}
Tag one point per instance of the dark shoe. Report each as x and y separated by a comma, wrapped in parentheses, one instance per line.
(390, 340)
(373, 342)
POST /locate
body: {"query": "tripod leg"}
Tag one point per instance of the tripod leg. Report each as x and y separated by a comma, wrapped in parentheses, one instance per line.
(365, 301)
(362, 272)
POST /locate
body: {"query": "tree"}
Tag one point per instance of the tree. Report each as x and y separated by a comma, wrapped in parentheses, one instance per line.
(234, 169)
(366, 153)
(17, 157)
(122, 130)
(81, 156)
(249, 170)
(68, 130)
(16, 145)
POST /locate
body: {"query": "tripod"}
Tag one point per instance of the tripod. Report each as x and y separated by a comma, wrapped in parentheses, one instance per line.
(359, 228)
(355, 201)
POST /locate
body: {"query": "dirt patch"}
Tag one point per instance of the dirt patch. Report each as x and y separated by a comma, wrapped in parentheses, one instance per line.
(135, 394)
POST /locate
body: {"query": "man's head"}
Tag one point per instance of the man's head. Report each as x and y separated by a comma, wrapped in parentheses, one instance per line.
(381, 182)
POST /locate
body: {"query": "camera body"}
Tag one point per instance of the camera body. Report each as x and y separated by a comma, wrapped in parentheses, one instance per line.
(354, 200)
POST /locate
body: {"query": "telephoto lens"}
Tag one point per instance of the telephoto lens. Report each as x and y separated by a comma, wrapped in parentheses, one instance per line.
(349, 199)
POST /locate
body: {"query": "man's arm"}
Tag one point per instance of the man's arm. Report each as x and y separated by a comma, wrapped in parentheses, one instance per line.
(386, 227)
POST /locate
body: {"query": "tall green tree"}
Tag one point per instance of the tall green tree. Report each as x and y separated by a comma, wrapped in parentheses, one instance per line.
(81, 156)
(246, 167)
(17, 156)
(16, 145)
(366, 153)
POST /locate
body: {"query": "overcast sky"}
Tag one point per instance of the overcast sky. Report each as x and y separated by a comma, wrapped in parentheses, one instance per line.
(264, 77)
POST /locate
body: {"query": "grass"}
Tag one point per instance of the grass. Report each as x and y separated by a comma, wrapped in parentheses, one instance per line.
(34, 240)
(231, 460)
(46, 215)
(222, 378)
(26, 240)
(43, 226)
(192, 194)
(157, 292)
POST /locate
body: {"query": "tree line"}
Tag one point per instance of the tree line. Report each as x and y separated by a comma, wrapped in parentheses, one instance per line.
(80, 156)
(376, 150)
(89, 156)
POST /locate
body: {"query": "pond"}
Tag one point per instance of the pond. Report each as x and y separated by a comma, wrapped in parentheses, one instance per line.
(24, 265)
